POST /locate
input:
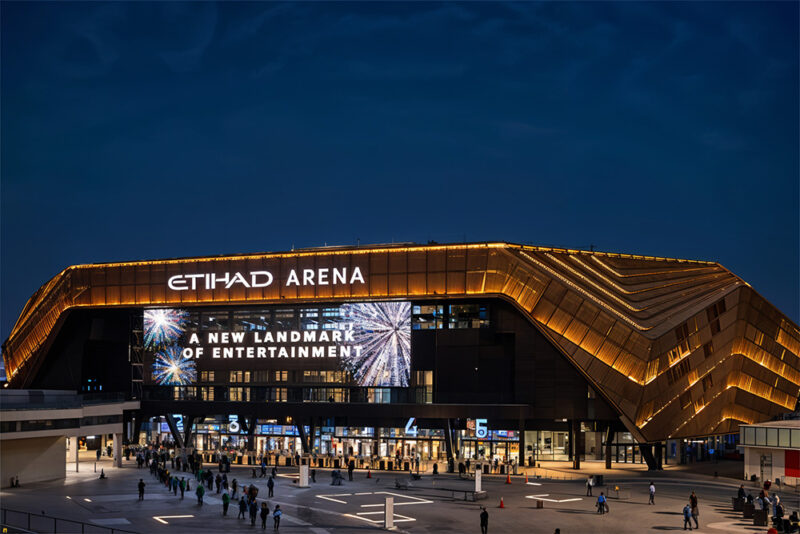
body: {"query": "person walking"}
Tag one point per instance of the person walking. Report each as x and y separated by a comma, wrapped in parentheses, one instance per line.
(200, 491)
(175, 484)
(271, 486)
(264, 515)
(253, 512)
(652, 493)
(589, 484)
(182, 486)
(601, 504)
(276, 517)
(741, 494)
(687, 517)
(350, 468)
(218, 482)
(234, 487)
(141, 489)
(695, 509)
(226, 501)
(484, 520)
(242, 508)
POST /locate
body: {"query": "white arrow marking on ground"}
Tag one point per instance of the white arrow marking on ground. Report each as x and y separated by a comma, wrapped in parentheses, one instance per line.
(543, 495)
(161, 518)
(533, 484)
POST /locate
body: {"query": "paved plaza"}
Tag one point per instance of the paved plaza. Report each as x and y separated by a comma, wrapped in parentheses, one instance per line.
(427, 506)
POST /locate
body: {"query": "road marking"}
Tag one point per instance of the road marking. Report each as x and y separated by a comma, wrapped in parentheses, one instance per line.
(161, 518)
(416, 500)
(543, 495)
(403, 518)
(330, 498)
(533, 484)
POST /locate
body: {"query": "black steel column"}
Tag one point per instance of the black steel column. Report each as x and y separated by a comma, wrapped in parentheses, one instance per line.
(647, 454)
(188, 423)
(173, 428)
(575, 446)
(571, 439)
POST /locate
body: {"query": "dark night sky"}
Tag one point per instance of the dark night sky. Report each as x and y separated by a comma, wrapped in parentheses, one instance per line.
(136, 131)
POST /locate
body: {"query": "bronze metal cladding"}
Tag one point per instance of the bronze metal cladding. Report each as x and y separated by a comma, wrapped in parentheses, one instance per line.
(680, 348)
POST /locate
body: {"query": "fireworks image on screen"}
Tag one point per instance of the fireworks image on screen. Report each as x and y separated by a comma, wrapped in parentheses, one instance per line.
(163, 326)
(171, 369)
(383, 330)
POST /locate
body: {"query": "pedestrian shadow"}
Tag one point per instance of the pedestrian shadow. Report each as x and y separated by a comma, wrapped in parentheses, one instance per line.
(669, 513)
(666, 528)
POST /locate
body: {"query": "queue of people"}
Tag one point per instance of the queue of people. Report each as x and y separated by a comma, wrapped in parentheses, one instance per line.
(204, 478)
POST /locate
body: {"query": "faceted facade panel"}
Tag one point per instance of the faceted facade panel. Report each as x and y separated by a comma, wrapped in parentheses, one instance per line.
(678, 347)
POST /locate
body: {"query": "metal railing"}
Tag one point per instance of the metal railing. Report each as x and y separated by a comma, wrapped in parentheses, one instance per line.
(45, 523)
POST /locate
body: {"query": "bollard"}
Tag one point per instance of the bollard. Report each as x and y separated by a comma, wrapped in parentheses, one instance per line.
(388, 513)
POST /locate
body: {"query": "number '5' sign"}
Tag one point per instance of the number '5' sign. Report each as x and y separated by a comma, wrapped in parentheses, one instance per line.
(480, 428)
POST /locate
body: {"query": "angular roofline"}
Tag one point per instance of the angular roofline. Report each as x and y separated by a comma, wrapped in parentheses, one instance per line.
(349, 249)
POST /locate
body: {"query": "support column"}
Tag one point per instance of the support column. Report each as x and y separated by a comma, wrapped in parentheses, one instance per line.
(188, 423)
(117, 449)
(571, 438)
(448, 444)
(609, 440)
(647, 454)
(251, 433)
(72, 451)
(300, 426)
(137, 428)
(576, 445)
(522, 445)
(173, 428)
(312, 432)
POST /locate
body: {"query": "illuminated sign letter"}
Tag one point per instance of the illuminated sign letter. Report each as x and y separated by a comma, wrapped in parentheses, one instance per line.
(237, 279)
(411, 427)
(357, 276)
(254, 278)
(480, 428)
(292, 279)
(177, 283)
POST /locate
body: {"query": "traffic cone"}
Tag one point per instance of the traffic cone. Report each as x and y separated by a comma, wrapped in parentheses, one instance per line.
(508, 478)
(501, 503)
(369, 474)
(526, 478)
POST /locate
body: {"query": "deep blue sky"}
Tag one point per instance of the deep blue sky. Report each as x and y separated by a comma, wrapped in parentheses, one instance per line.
(134, 131)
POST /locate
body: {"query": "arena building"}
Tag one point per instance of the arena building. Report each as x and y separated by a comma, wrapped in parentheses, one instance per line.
(438, 351)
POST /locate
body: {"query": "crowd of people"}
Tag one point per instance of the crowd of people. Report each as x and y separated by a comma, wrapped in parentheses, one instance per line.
(168, 471)
(771, 502)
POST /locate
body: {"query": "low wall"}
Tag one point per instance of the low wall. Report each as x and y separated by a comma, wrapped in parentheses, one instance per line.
(32, 460)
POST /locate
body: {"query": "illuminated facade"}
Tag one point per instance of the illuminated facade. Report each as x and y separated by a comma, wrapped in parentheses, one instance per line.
(674, 348)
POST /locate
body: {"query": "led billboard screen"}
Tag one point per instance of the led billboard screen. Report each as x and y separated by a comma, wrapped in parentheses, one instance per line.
(369, 340)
